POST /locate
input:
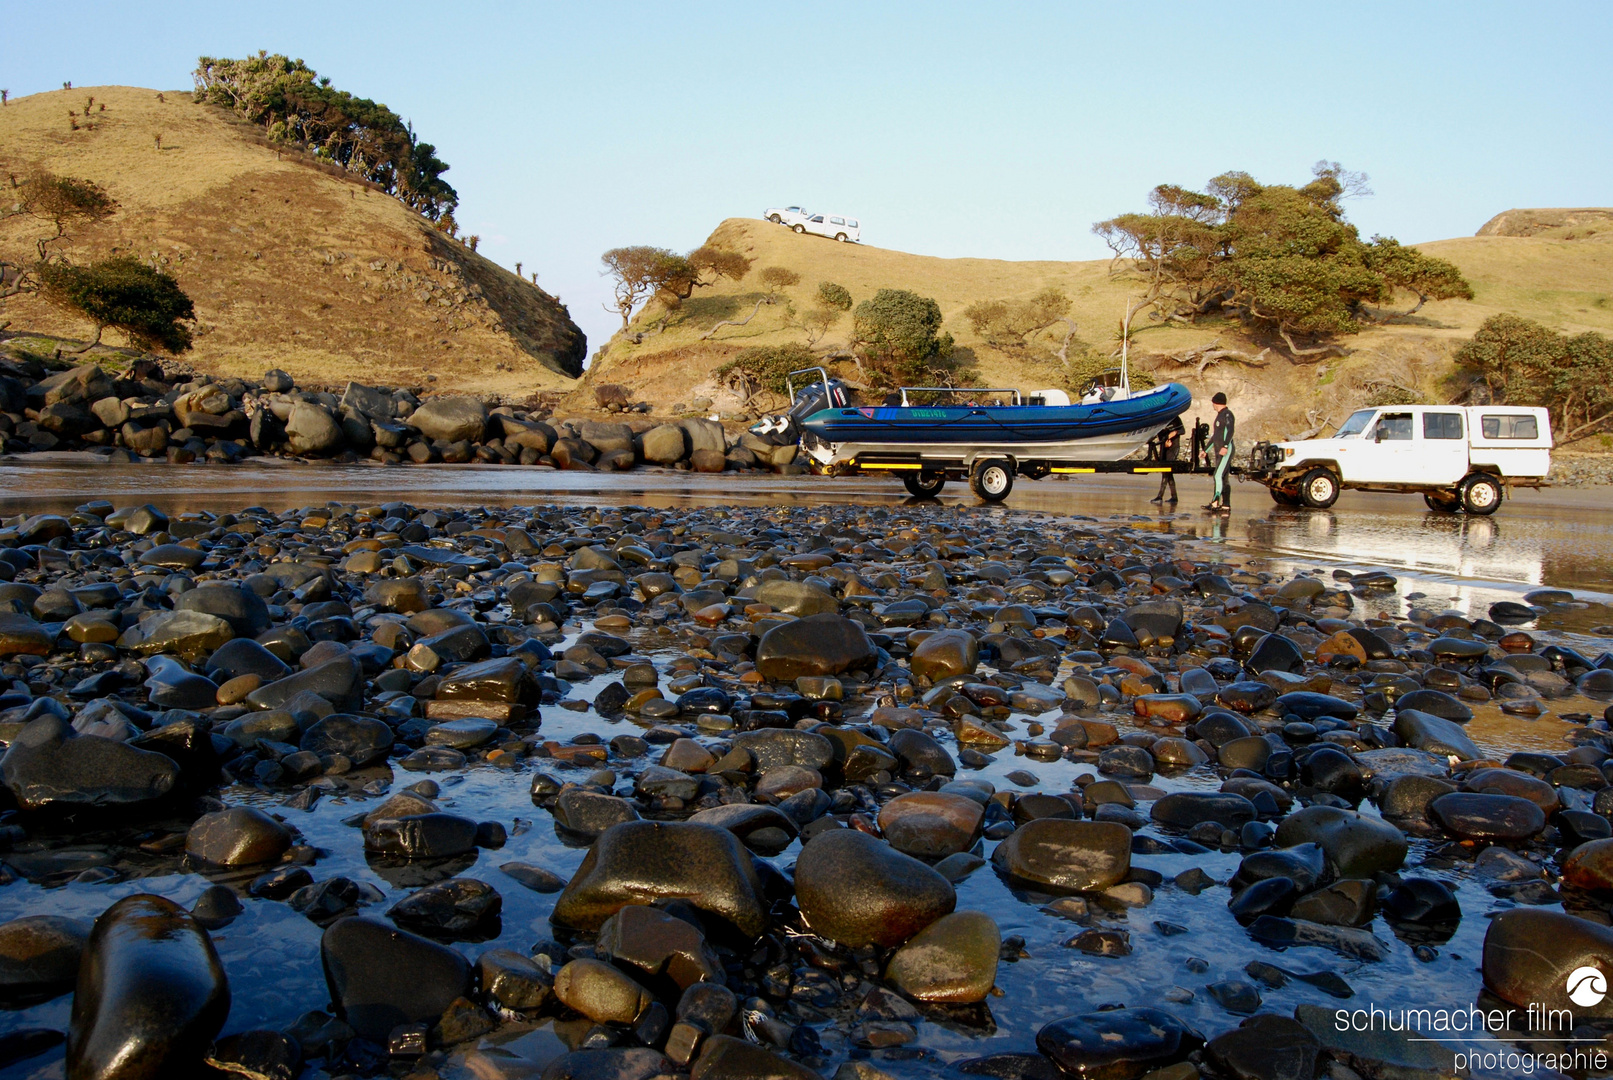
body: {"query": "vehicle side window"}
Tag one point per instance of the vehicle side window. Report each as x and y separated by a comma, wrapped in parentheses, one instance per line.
(1442, 425)
(1395, 427)
(853, 223)
(837, 221)
(1509, 427)
(818, 220)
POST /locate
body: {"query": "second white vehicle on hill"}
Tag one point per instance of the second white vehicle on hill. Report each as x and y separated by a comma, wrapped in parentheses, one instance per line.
(787, 215)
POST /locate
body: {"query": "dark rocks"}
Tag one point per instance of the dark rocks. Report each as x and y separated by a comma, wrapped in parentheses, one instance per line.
(421, 836)
(826, 644)
(588, 814)
(1066, 856)
(944, 654)
(1479, 816)
(1357, 845)
(931, 825)
(1266, 1047)
(1117, 1044)
(361, 739)
(239, 836)
(638, 862)
(1426, 731)
(39, 958)
(380, 976)
(151, 994)
(859, 891)
(48, 766)
(954, 960)
(456, 910)
(1185, 809)
(1529, 954)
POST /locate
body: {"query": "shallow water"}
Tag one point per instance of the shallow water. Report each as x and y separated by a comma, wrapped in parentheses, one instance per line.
(271, 953)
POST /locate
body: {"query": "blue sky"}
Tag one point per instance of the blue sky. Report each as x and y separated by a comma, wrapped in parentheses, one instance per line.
(994, 130)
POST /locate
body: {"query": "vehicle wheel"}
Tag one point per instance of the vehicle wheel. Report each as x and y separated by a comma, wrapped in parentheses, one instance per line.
(926, 484)
(992, 480)
(1481, 495)
(775, 219)
(1319, 489)
(840, 236)
(1443, 501)
(1283, 497)
(799, 228)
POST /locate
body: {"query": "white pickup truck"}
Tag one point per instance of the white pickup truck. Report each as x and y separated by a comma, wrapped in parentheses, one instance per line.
(1458, 457)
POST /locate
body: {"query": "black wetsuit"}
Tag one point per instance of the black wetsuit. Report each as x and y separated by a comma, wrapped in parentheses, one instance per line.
(1169, 442)
(1221, 436)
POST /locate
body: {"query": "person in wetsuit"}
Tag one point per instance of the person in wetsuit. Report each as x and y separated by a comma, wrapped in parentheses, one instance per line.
(1168, 443)
(1221, 436)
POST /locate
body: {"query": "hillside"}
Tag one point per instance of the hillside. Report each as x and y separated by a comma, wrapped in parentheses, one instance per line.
(1567, 284)
(290, 265)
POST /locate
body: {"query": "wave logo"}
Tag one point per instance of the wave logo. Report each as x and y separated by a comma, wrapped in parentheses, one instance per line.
(1587, 986)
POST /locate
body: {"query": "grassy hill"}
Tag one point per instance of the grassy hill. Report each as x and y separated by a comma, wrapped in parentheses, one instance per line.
(1565, 283)
(290, 264)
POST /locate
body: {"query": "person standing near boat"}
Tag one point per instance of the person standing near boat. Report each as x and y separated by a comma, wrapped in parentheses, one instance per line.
(1221, 436)
(1169, 443)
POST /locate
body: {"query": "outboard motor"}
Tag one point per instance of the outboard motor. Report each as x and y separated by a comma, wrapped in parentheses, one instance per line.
(785, 429)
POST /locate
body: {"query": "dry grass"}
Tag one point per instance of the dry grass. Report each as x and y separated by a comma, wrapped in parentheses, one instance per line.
(278, 254)
(1563, 283)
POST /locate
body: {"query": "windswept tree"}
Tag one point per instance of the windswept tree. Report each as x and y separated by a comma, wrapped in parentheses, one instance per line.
(1281, 259)
(642, 272)
(1009, 325)
(124, 294)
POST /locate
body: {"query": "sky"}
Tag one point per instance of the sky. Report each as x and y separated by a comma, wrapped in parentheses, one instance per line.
(999, 130)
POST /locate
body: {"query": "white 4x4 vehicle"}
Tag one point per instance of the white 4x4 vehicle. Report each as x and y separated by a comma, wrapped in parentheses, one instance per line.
(1457, 457)
(834, 226)
(787, 215)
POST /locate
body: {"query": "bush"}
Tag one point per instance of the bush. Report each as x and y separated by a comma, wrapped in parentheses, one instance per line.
(779, 277)
(833, 296)
(898, 337)
(1520, 362)
(124, 294)
(767, 367)
(1008, 324)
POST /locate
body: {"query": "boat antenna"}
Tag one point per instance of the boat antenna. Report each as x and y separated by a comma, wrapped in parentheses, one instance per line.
(1125, 347)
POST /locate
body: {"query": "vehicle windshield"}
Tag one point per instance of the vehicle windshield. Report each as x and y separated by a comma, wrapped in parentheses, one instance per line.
(1355, 425)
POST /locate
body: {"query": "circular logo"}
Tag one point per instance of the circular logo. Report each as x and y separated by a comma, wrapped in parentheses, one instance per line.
(1587, 986)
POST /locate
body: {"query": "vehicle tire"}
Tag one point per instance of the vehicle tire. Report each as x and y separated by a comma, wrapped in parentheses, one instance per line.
(1444, 502)
(798, 228)
(926, 484)
(775, 219)
(1481, 495)
(992, 480)
(1319, 489)
(840, 236)
(1283, 498)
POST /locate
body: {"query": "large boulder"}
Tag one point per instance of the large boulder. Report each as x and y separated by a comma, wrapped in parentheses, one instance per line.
(1357, 845)
(825, 644)
(1530, 954)
(151, 994)
(858, 890)
(664, 445)
(380, 976)
(638, 862)
(954, 959)
(705, 435)
(312, 430)
(1063, 855)
(84, 384)
(39, 958)
(50, 766)
(451, 419)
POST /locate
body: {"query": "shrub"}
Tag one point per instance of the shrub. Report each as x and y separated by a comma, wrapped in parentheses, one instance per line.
(767, 367)
(124, 294)
(779, 277)
(898, 337)
(833, 296)
(1008, 324)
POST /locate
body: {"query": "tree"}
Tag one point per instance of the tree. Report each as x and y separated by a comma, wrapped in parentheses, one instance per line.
(1009, 324)
(1283, 260)
(1520, 362)
(294, 104)
(1409, 270)
(62, 202)
(898, 340)
(766, 367)
(124, 294)
(642, 272)
(639, 272)
(779, 277)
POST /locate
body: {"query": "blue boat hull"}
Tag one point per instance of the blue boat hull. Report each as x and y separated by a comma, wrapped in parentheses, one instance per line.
(964, 425)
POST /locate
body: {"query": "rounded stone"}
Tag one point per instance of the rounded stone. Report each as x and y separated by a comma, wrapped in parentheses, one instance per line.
(954, 959)
(1060, 855)
(931, 824)
(857, 890)
(238, 836)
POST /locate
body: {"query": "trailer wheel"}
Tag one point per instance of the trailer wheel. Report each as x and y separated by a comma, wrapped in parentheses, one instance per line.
(1283, 497)
(1446, 502)
(992, 480)
(1319, 489)
(1481, 495)
(926, 484)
